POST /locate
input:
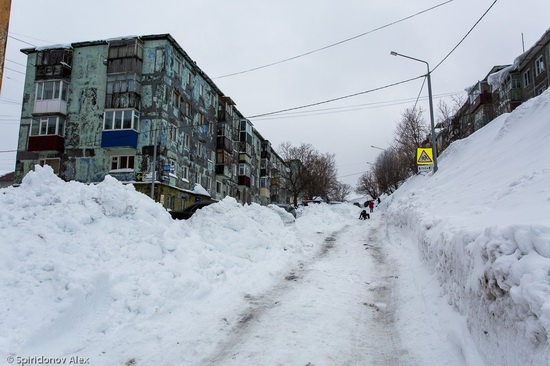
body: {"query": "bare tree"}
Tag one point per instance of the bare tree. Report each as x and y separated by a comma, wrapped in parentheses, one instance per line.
(310, 173)
(410, 133)
(340, 192)
(367, 184)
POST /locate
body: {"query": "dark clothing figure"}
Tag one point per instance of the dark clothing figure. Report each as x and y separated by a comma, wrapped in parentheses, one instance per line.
(378, 200)
(371, 205)
(364, 215)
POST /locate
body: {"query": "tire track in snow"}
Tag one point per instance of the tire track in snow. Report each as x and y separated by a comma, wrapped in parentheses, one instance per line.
(338, 308)
(260, 304)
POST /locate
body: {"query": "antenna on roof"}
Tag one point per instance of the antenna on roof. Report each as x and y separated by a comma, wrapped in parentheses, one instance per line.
(522, 43)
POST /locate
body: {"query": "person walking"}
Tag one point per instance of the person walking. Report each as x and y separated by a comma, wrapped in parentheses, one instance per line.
(371, 205)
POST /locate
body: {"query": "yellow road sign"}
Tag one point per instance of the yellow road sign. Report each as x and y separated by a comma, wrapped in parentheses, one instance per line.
(424, 156)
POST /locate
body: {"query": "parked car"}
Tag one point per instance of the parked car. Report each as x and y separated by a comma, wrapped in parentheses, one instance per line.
(288, 208)
(187, 212)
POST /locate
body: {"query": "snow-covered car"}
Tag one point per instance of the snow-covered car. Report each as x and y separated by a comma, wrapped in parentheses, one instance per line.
(187, 212)
(286, 212)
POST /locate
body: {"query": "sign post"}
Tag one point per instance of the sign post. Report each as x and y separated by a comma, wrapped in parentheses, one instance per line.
(424, 159)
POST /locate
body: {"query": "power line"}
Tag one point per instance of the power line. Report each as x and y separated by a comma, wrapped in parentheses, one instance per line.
(339, 98)
(326, 111)
(333, 44)
(19, 72)
(20, 40)
(467, 34)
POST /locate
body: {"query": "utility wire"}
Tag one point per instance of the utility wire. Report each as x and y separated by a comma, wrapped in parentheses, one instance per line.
(326, 111)
(336, 99)
(20, 40)
(467, 34)
(333, 44)
(389, 85)
(420, 92)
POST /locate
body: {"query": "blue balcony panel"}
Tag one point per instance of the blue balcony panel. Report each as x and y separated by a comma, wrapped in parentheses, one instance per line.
(119, 138)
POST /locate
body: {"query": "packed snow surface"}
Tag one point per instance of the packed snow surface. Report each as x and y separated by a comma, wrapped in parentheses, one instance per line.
(453, 268)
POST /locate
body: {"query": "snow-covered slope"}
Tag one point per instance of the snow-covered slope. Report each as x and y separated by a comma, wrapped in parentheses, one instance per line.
(482, 223)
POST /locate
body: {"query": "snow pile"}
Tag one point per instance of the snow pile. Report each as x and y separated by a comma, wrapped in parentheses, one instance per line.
(86, 268)
(483, 224)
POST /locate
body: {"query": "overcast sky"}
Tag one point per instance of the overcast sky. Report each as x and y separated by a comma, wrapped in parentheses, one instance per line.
(231, 37)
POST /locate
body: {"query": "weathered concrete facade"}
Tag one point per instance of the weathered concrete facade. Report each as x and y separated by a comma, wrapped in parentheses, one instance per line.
(139, 108)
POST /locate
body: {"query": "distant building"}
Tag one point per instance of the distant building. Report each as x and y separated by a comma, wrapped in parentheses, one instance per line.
(7, 179)
(501, 91)
(139, 108)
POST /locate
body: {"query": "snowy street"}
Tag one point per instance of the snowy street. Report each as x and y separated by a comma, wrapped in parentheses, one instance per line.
(340, 307)
(451, 269)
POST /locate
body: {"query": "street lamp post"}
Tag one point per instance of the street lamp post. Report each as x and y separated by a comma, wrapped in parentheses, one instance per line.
(376, 147)
(434, 146)
(155, 138)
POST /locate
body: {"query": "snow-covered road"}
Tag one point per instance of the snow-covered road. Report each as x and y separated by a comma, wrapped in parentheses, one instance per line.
(344, 306)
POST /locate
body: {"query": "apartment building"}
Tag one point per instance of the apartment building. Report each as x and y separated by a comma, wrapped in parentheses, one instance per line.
(141, 110)
(501, 91)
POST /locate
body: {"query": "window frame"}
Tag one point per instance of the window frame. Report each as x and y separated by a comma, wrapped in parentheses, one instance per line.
(124, 163)
(40, 126)
(45, 161)
(526, 78)
(134, 120)
(539, 65)
(58, 90)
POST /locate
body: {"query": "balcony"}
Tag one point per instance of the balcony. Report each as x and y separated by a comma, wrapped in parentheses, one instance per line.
(59, 71)
(46, 143)
(223, 170)
(245, 158)
(119, 138)
(50, 106)
(244, 181)
(481, 99)
(225, 143)
(123, 100)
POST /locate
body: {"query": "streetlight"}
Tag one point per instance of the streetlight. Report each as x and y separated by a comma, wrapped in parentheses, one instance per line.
(434, 146)
(155, 138)
(376, 147)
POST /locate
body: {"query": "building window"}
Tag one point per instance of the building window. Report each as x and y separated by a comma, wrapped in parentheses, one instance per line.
(53, 125)
(173, 171)
(244, 169)
(539, 66)
(526, 78)
(176, 99)
(125, 83)
(54, 163)
(122, 163)
(121, 119)
(200, 117)
(189, 77)
(177, 66)
(173, 133)
(199, 149)
(218, 187)
(186, 141)
(50, 90)
(201, 90)
(187, 109)
(170, 204)
(185, 172)
(54, 57)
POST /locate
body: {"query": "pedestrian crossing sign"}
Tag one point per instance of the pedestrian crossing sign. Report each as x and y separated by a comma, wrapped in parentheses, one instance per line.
(424, 156)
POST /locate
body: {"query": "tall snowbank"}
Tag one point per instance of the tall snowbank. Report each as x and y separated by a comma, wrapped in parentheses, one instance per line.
(83, 265)
(483, 224)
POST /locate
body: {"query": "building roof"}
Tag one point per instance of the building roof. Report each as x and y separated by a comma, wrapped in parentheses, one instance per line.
(8, 177)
